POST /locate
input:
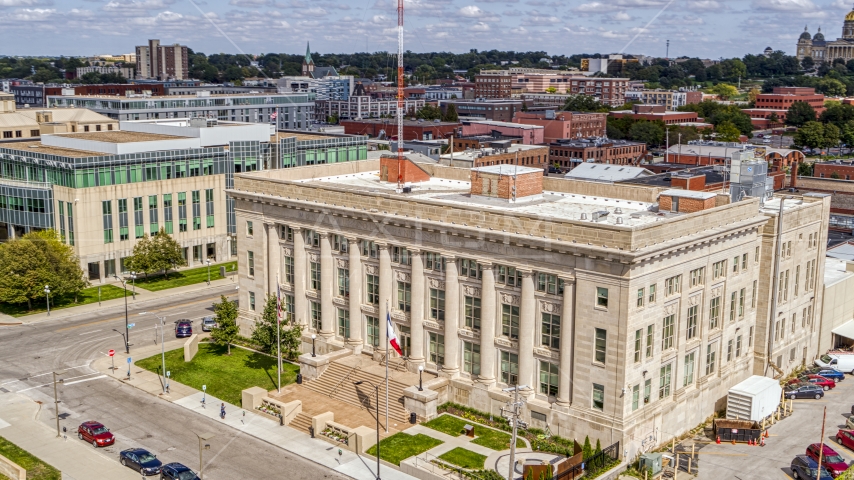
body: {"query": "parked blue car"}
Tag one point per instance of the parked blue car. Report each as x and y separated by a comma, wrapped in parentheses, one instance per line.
(832, 374)
(140, 460)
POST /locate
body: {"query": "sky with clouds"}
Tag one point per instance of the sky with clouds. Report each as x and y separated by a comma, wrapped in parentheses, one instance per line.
(703, 28)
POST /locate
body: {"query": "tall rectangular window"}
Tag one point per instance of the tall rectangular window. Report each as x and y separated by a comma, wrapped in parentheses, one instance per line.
(641, 297)
(650, 333)
(547, 283)
(638, 344)
(549, 374)
(343, 281)
(510, 321)
(373, 324)
(697, 276)
(61, 219)
(598, 397)
(314, 279)
(252, 301)
(652, 293)
(437, 349)
(797, 278)
(167, 213)
(315, 316)
(601, 345)
(601, 297)
(672, 285)
(251, 261)
(197, 210)
(152, 214)
(710, 358)
(471, 358)
(437, 304)
(688, 377)
(664, 378)
(107, 212)
(70, 223)
(289, 308)
(635, 397)
(729, 350)
(719, 269)
(372, 282)
(738, 346)
(209, 208)
(735, 264)
(182, 211)
(509, 368)
(753, 295)
(550, 330)
(138, 225)
(472, 312)
(714, 312)
(667, 329)
(741, 294)
(692, 322)
(744, 262)
(289, 270)
(404, 296)
(343, 323)
(732, 304)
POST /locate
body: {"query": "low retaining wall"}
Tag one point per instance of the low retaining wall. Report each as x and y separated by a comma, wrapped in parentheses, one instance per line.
(12, 469)
(191, 347)
(358, 439)
(255, 397)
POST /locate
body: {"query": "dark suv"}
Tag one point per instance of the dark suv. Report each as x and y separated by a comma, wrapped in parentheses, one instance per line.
(803, 467)
(183, 328)
(177, 471)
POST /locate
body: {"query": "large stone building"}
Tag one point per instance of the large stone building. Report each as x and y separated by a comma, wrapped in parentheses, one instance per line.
(629, 311)
(92, 187)
(26, 123)
(822, 50)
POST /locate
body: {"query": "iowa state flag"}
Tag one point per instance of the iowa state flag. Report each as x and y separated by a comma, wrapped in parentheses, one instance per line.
(392, 338)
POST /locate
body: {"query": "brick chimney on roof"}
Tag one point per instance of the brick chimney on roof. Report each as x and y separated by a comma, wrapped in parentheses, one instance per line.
(408, 171)
(794, 181)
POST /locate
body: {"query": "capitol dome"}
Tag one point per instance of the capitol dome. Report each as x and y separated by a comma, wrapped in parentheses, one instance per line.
(850, 16)
(819, 36)
(806, 35)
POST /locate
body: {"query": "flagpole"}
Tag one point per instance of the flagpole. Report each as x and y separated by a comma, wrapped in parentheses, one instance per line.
(278, 337)
(387, 353)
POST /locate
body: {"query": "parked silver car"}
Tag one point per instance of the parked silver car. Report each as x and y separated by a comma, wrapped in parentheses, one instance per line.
(208, 323)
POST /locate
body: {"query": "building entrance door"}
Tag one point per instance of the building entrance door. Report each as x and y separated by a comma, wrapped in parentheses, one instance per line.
(405, 335)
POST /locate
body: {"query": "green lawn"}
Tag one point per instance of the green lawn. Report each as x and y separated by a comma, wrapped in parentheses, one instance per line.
(86, 296)
(464, 458)
(225, 376)
(401, 446)
(182, 278)
(36, 469)
(484, 436)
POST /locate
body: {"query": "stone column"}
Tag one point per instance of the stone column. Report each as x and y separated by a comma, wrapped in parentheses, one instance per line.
(386, 282)
(452, 318)
(300, 268)
(327, 284)
(355, 301)
(273, 259)
(527, 325)
(567, 325)
(416, 316)
(488, 321)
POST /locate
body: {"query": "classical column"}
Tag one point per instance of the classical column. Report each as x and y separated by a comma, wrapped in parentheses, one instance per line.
(452, 318)
(273, 259)
(488, 320)
(355, 301)
(327, 274)
(300, 267)
(416, 316)
(527, 325)
(386, 282)
(567, 323)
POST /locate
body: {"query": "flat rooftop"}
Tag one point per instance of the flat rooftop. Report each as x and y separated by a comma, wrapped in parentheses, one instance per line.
(36, 146)
(173, 97)
(556, 205)
(494, 123)
(835, 269)
(300, 136)
(120, 136)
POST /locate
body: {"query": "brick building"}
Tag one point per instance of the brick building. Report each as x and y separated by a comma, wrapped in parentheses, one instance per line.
(499, 153)
(777, 104)
(656, 112)
(412, 129)
(508, 182)
(560, 125)
(505, 83)
(844, 169)
(162, 61)
(476, 142)
(685, 201)
(570, 152)
(497, 110)
(531, 134)
(492, 84)
(707, 178)
(719, 153)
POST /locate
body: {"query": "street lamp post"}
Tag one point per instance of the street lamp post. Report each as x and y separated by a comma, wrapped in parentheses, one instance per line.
(313, 336)
(377, 392)
(420, 371)
(205, 437)
(56, 401)
(162, 347)
(127, 329)
(47, 296)
(133, 282)
(208, 261)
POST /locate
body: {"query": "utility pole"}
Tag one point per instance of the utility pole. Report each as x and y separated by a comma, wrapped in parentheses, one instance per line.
(821, 446)
(56, 402)
(512, 411)
(666, 145)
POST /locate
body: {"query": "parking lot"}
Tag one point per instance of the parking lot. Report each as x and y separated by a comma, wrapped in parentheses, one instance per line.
(788, 438)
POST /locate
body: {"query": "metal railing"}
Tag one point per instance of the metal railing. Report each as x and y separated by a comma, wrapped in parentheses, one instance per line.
(594, 463)
(346, 377)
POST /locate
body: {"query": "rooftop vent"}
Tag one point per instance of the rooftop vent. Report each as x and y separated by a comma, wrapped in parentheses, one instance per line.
(619, 220)
(600, 215)
(618, 211)
(584, 216)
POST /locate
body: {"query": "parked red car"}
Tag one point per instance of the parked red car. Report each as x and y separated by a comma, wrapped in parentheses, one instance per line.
(845, 438)
(825, 383)
(96, 434)
(832, 461)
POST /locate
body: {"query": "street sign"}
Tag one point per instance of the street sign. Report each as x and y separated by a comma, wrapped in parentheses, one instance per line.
(111, 353)
(128, 360)
(204, 388)
(131, 325)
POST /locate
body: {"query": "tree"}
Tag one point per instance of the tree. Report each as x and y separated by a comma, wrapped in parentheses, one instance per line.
(647, 132)
(799, 114)
(584, 103)
(834, 176)
(811, 135)
(724, 90)
(451, 113)
(429, 112)
(36, 260)
(156, 253)
(727, 132)
(773, 118)
(808, 63)
(226, 329)
(140, 260)
(805, 169)
(752, 94)
(551, 90)
(264, 333)
(832, 135)
(586, 449)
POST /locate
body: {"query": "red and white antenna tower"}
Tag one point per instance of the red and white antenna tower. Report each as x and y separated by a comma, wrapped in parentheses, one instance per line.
(400, 101)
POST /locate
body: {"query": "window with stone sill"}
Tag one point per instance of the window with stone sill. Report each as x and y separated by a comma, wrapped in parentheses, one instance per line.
(472, 312)
(250, 229)
(400, 255)
(510, 321)
(698, 276)
(673, 285)
(343, 282)
(289, 270)
(549, 375)
(312, 238)
(339, 244)
(470, 269)
(370, 249)
(471, 358)
(601, 297)
(286, 233)
(404, 296)
(719, 269)
(251, 263)
(509, 276)
(434, 261)
(315, 316)
(548, 283)
(550, 331)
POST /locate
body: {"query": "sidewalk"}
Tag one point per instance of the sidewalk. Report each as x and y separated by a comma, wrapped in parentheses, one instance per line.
(76, 460)
(119, 303)
(261, 427)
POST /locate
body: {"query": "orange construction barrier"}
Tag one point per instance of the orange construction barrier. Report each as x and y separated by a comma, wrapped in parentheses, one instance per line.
(762, 442)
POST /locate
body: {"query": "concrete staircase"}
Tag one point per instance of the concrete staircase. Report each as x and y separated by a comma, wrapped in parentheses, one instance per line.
(301, 422)
(337, 382)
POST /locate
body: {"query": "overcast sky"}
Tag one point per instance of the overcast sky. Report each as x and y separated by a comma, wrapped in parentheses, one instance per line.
(703, 28)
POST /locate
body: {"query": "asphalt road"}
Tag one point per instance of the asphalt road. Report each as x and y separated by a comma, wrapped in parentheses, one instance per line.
(31, 351)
